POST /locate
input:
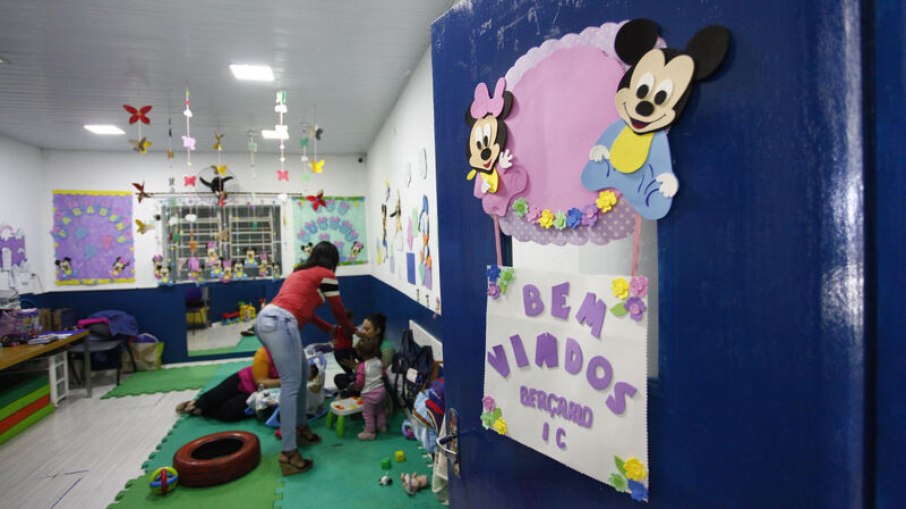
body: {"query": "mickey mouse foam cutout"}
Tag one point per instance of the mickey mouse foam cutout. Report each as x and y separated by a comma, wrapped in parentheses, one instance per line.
(632, 155)
(486, 148)
(119, 265)
(64, 267)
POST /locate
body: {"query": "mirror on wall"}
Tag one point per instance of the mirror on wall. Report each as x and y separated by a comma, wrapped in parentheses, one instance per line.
(220, 317)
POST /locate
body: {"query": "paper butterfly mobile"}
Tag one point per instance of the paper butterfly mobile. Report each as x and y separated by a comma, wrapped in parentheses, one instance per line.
(140, 146)
(219, 169)
(141, 191)
(188, 142)
(170, 154)
(282, 175)
(138, 115)
(317, 200)
(317, 166)
(218, 143)
(318, 133)
(143, 227)
(188, 180)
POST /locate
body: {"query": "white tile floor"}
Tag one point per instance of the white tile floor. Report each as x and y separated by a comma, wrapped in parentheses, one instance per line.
(215, 336)
(81, 455)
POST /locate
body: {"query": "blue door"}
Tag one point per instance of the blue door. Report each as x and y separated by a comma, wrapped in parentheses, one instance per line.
(760, 400)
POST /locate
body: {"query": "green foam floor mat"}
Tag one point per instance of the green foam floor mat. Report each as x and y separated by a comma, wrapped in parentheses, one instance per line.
(246, 344)
(172, 379)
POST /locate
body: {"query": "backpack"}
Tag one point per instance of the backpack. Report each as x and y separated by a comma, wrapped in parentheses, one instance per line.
(413, 366)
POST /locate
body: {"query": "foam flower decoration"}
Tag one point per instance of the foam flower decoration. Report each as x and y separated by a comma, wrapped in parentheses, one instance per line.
(520, 207)
(606, 200)
(560, 220)
(506, 278)
(638, 286)
(188, 180)
(547, 219)
(317, 200)
(283, 175)
(140, 146)
(493, 273)
(488, 403)
(534, 214)
(500, 426)
(188, 142)
(618, 482)
(493, 290)
(590, 215)
(636, 308)
(638, 491)
(620, 288)
(573, 217)
(317, 166)
(635, 470)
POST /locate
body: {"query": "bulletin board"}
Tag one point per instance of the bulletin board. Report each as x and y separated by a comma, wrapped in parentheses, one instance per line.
(92, 236)
(340, 220)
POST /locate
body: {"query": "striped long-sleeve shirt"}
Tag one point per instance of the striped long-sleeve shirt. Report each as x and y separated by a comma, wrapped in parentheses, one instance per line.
(305, 290)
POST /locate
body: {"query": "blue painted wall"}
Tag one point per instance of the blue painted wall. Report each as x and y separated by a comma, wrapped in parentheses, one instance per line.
(161, 311)
(889, 232)
(760, 399)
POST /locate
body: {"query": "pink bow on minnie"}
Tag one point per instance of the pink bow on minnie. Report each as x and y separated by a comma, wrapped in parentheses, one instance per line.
(485, 104)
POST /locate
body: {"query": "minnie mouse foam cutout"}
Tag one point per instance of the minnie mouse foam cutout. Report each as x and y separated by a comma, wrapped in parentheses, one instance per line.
(487, 141)
(632, 155)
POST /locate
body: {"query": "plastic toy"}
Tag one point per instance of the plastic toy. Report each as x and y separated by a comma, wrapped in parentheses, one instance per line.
(385, 464)
(246, 312)
(385, 480)
(407, 431)
(164, 480)
(400, 456)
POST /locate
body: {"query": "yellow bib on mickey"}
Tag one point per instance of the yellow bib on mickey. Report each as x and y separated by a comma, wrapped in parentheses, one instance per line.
(630, 150)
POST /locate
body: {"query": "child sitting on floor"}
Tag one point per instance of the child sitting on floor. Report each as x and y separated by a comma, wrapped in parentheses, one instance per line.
(315, 401)
(370, 381)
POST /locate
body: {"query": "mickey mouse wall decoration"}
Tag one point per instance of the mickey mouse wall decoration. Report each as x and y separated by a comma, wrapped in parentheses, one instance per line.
(632, 155)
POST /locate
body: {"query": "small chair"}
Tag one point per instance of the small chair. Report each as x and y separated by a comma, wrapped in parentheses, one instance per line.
(341, 408)
(105, 349)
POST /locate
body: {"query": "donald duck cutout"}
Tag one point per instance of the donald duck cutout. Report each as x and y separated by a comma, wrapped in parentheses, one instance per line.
(632, 155)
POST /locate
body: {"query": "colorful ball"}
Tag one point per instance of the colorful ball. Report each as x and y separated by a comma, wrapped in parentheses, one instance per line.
(164, 480)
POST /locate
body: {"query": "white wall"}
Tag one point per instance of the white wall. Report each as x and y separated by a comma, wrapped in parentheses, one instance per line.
(20, 184)
(408, 130)
(83, 170)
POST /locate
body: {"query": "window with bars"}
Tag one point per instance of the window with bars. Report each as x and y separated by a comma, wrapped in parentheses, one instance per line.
(247, 236)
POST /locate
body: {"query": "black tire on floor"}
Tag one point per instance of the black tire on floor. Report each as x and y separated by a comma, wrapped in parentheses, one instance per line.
(217, 458)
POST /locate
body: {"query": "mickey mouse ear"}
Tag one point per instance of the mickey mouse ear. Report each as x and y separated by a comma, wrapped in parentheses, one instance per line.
(708, 47)
(634, 39)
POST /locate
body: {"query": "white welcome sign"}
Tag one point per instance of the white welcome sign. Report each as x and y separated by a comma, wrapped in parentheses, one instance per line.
(566, 370)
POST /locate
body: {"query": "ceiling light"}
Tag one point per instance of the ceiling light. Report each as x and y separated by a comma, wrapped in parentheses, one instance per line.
(4, 60)
(252, 72)
(275, 134)
(104, 129)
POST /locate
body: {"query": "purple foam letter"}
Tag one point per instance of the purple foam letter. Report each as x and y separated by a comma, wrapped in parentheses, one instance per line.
(602, 382)
(573, 358)
(592, 312)
(546, 350)
(519, 351)
(616, 402)
(499, 361)
(558, 300)
(531, 299)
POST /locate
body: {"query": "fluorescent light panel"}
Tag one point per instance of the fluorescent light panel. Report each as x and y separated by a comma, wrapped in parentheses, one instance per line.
(252, 72)
(273, 134)
(104, 129)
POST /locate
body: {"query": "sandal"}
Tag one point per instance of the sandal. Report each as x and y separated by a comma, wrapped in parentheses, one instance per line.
(293, 463)
(305, 436)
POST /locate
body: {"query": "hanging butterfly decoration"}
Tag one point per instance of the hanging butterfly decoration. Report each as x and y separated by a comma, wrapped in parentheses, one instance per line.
(141, 191)
(220, 169)
(140, 146)
(283, 175)
(218, 141)
(144, 227)
(317, 200)
(188, 142)
(170, 154)
(138, 115)
(317, 166)
(188, 180)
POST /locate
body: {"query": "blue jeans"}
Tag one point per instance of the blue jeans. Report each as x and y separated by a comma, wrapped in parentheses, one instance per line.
(278, 330)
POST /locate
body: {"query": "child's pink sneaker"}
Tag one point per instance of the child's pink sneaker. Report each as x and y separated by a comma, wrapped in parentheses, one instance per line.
(366, 436)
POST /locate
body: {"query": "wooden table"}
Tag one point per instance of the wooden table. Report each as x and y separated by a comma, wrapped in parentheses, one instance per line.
(12, 355)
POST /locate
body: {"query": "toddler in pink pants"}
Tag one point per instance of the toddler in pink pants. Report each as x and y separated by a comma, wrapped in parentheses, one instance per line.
(370, 381)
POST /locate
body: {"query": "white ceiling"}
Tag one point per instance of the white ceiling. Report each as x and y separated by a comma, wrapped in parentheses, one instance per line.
(343, 64)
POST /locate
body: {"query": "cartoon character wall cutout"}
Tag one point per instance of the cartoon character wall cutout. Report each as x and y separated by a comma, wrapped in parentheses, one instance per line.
(632, 155)
(566, 90)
